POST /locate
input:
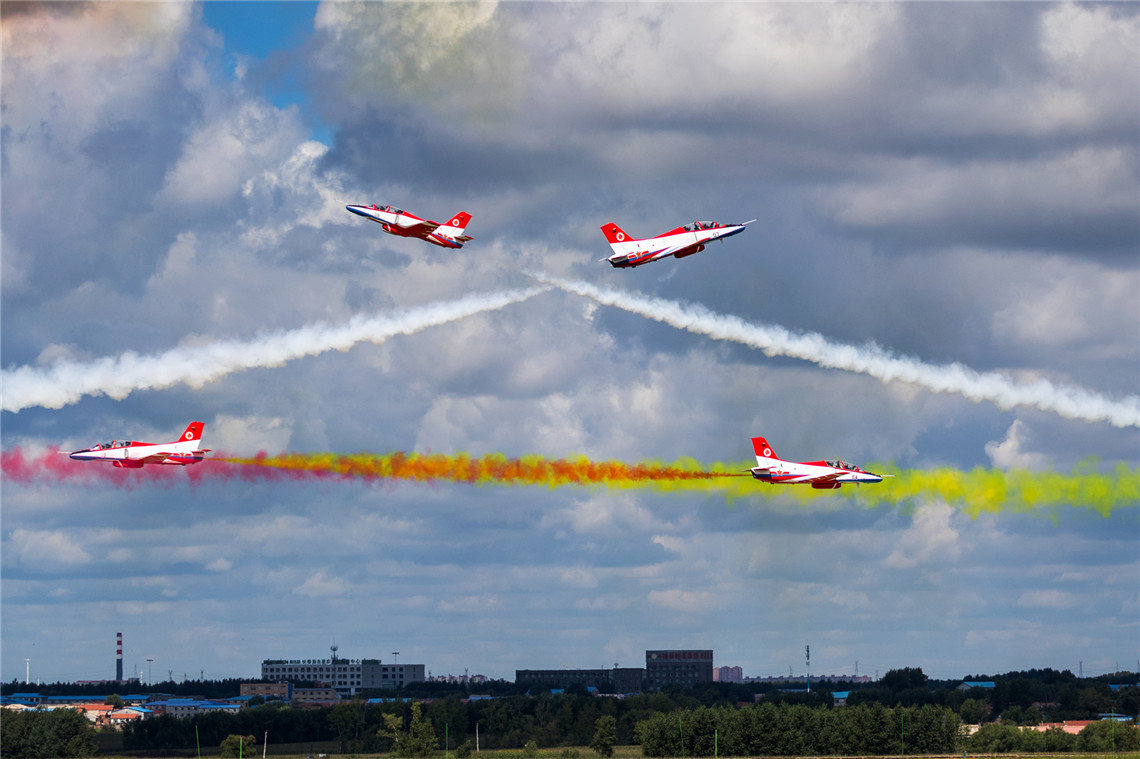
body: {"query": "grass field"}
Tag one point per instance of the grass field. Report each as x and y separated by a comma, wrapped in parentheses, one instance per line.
(329, 749)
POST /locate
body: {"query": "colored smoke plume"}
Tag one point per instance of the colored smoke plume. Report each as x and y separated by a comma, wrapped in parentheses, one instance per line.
(66, 382)
(1068, 401)
(492, 469)
(974, 492)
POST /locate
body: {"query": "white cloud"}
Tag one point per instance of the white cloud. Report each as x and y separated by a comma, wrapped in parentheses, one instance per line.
(321, 585)
(688, 601)
(221, 154)
(931, 540)
(1007, 454)
(195, 211)
(1048, 599)
(47, 548)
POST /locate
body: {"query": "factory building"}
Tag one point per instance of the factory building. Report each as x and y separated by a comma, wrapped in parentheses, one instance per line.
(347, 676)
(680, 667)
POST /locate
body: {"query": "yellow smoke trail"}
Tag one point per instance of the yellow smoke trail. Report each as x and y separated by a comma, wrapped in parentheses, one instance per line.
(975, 491)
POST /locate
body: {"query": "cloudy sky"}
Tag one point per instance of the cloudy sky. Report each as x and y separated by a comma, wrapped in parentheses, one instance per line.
(955, 185)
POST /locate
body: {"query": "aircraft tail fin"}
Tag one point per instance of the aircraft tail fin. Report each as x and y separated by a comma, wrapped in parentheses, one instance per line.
(763, 450)
(193, 433)
(615, 235)
(455, 225)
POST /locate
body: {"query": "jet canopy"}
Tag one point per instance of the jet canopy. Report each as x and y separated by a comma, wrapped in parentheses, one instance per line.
(387, 208)
(697, 226)
(843, 465)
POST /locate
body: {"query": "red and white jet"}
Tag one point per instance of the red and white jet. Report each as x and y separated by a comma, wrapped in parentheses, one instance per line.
(822, 475)
(132, 454)
(679, 242)
(404, 224)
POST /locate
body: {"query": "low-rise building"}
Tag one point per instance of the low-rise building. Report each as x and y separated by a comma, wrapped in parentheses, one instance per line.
(319, 696)
(283, 691)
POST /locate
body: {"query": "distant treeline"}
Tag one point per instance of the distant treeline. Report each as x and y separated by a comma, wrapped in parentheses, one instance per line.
(770, 729)
(903, 711)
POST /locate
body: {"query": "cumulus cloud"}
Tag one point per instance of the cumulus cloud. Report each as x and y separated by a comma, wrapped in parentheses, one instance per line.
(45, 548)
(320, 585)
(930, 540)
(1008, 453)
(863, 136)
(221, 154)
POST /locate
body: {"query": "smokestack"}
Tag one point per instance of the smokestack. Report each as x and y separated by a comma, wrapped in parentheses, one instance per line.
(119, 656)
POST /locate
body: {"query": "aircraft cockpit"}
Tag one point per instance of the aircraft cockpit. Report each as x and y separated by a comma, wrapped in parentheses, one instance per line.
(843, 465)
(697, 226)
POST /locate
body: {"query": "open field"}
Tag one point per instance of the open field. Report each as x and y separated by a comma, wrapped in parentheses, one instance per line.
(329, 750)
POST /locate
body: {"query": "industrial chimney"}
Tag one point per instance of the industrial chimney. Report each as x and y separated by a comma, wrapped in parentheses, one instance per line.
(119, 657)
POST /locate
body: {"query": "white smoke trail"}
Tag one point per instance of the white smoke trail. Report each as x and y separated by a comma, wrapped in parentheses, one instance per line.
(194, 365)
(1067, 401)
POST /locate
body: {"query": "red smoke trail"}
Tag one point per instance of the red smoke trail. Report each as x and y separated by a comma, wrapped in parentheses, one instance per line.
(408, 467)
(489, 469)
(53, 465)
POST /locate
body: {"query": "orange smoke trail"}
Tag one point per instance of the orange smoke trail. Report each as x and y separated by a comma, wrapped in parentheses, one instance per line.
(484, 470)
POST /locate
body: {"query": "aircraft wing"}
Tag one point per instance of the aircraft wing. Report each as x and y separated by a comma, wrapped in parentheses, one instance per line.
(423, 225)
(156, 458)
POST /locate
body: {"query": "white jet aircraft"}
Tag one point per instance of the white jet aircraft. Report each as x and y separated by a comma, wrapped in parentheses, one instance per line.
(132, 454)
(822, 475)
(679, 242)
(396, 221)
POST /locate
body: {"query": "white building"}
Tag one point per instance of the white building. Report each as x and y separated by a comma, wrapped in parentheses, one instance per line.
(347, 676)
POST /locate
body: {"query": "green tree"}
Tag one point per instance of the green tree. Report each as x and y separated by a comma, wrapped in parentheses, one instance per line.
(974, 711)
(239, 745)
(1108, 736)
(114, 700)
(422, 740)
(54, 733)
(996, 738)
(530, 749)
(418, 740)
(906, 678)
(348, 721)
(393, 730)
(605, 735)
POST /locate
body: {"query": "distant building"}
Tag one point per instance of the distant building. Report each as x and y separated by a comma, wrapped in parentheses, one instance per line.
(968, 684)
(800, 679)
(283, 690)
(678, 667)
(321, 696)
(728, 675)
(188, 707)
(347, 676)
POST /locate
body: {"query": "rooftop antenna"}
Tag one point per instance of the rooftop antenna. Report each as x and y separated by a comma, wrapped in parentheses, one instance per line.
(394, 655)
(334, 648)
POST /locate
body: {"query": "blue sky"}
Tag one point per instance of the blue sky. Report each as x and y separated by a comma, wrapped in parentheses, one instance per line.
(260, 28)
(968, 202)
